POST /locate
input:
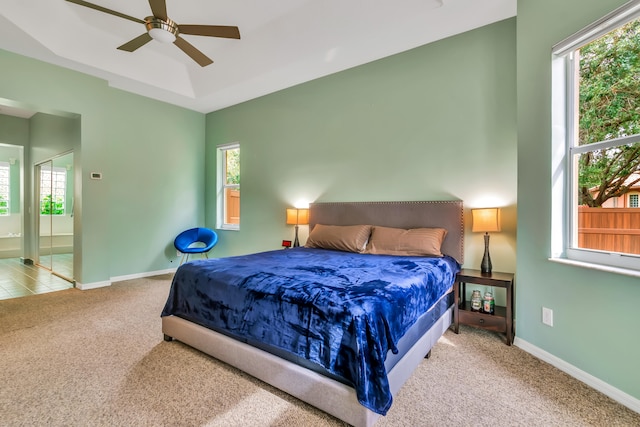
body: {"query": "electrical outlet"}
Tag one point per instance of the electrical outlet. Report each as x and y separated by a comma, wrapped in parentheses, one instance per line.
(547, 316)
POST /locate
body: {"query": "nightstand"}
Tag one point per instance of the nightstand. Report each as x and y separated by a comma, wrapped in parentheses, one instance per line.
(502, 319)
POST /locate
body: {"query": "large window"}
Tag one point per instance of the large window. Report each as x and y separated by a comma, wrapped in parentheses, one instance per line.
(4, 188)
(53, 187)
(229, 187)
(596, 140)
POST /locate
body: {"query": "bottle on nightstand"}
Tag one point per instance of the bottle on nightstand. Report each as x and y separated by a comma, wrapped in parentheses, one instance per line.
(476, 301)
(488, 304)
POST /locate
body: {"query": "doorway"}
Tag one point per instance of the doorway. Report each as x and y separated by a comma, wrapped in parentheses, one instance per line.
(11, 190)
(54, 215)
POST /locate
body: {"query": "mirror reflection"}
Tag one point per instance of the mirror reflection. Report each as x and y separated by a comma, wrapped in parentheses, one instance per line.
(55, 205)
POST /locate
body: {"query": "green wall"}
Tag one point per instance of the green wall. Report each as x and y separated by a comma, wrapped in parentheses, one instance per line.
(434, 123)
(596, 319)
(151, 155)
(439, 122)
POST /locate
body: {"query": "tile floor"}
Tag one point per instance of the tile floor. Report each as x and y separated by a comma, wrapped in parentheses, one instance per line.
(19, 280)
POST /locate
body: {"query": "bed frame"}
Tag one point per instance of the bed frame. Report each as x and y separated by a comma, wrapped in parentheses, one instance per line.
(318, 390)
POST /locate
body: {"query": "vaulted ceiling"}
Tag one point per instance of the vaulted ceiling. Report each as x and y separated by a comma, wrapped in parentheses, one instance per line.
(283, 42)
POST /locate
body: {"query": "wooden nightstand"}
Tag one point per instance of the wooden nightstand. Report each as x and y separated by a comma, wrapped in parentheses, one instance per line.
(502, 319)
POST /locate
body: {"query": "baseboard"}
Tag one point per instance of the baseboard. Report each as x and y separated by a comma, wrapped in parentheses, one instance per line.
(142, 275)
(593, 382)
(95, 285)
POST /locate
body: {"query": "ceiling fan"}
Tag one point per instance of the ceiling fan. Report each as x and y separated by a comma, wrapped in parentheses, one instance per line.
(160, 27)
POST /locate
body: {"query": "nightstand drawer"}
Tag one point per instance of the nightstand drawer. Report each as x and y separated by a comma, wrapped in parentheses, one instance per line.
(482, 320)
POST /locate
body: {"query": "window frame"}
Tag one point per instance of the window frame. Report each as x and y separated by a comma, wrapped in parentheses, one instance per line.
(565, 147)
(54, 173)
(6, 166)
(222, 187)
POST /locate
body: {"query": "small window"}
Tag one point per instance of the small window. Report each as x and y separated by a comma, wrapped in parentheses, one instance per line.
(4, 188)
(633, 200)
(228, 187)
(53, 186)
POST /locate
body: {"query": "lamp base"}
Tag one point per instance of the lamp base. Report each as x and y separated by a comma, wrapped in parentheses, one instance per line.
(296, 242)
(485, 266)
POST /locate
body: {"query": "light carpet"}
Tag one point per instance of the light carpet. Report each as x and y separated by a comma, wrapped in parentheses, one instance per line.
(97, 358)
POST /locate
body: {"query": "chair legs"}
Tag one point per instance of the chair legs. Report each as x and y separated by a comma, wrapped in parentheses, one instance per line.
(185, 257)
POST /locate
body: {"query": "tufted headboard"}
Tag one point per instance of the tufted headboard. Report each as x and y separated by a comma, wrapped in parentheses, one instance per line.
(419, 214)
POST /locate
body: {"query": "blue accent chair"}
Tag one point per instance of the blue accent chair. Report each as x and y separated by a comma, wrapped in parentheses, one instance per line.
(197, 240)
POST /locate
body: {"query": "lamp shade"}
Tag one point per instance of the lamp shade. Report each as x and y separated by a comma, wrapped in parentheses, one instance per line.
(297, 216)
(486, 219)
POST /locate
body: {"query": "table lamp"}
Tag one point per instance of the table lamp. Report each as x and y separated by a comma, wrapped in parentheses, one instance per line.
(297, 217)
(486, 220)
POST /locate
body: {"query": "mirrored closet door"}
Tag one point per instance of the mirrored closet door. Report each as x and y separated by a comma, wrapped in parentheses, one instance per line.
(54, 196)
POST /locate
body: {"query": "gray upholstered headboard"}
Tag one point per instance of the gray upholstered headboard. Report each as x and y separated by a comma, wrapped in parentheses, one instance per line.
(443, 214)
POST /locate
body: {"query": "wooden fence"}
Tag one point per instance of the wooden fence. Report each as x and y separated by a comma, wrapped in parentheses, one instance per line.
(609, 229)
(233, 207)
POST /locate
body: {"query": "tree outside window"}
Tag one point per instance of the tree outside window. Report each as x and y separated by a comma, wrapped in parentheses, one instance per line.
(53, 185)
(4, 188)
(609, 109)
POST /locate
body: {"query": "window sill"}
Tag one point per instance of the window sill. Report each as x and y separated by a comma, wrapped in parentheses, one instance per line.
(599, 267)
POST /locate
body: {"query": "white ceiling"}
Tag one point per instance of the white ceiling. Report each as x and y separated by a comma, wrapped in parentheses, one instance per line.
(283, 42)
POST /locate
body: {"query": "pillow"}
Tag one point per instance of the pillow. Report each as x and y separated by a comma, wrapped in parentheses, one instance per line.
(413, 242)
(348, 238)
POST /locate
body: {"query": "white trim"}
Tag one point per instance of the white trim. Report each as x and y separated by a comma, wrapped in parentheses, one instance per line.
(599, 267)
(593, 382)
(221, 186)
(626, 12)
(95, 285)
(565, 149)
(142, 275)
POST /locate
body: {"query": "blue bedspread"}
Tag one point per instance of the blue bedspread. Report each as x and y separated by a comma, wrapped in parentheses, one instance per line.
(343, 311)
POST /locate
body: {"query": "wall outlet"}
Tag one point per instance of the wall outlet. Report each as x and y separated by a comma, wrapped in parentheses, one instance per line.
(547, 316)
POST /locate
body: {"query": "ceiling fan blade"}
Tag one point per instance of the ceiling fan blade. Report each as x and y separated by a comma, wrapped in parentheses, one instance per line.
(194, 53)
(136, 43)
(211, 31)
(105, 10)
(159, 9)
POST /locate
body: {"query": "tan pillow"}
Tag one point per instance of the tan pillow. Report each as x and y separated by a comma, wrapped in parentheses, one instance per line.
(413, 242)
(349, 238)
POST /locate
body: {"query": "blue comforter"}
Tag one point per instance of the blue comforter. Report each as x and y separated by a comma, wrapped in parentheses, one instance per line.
(342, 311)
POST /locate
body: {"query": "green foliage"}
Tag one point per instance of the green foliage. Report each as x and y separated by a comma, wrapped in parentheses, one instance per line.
(609, 93)
(233, 166)
(4, 206)
(48, 206)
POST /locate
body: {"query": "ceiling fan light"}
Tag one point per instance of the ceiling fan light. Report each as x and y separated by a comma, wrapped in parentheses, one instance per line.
(163, 36)
(162, 31)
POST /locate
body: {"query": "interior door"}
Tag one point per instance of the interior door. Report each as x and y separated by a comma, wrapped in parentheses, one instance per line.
(55, 197)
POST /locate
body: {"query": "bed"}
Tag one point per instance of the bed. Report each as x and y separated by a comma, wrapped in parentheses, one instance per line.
(335, 327)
